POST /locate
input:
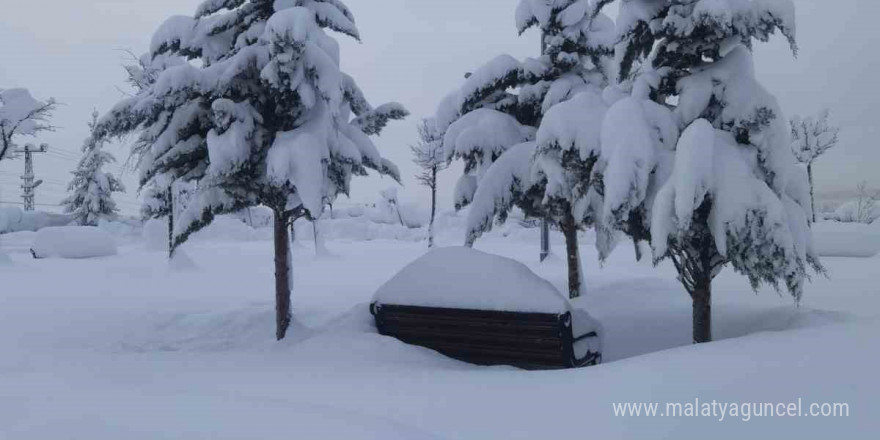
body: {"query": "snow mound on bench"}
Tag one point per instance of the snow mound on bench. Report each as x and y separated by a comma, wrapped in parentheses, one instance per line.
(73, 242)
(461, 277)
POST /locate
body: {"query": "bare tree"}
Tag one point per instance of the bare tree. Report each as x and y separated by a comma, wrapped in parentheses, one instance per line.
(866, 204)
(22, 115)
(811, 138)
(428, 154)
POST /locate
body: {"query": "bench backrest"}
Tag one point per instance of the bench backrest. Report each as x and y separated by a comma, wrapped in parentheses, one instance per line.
(528, 340)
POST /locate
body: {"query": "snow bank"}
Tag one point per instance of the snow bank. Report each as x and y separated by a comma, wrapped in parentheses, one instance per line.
(229, 228)
(13, 219)
(466, 278)
(155, 234)
(833, 239)
(73, 242)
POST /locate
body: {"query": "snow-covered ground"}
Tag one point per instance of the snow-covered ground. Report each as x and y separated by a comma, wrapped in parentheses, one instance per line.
(125, 347)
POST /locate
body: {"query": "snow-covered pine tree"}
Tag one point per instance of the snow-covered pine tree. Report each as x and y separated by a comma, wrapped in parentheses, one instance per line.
(91, 189)
(560, 92)
(21, 115)
(262, 114)
(697, 157)
(812, 137)
(161, 134)
(428, 155)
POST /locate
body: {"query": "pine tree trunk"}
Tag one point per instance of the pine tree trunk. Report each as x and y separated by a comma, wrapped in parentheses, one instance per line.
(569, 230)
(812, 198)
(282, 275)
(702, 298)
(170, 224)
(433, 207)
(545, 240)
(637, 249)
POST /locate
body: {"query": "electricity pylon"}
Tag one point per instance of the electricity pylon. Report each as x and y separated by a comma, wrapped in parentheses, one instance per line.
(28, 185)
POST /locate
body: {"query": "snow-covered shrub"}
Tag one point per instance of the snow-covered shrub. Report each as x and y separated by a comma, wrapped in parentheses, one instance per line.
(856, 211)
(73, 242)
(390, 210)
(865, 208)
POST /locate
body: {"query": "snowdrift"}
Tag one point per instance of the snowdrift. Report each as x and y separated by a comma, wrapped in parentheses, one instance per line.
(73, 242)
(834, 239)
(13, 219)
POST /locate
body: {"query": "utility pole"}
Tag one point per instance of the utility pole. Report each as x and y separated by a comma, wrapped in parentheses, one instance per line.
(545, 225)
(28, 185)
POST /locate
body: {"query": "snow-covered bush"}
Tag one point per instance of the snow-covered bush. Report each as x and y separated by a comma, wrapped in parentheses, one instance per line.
(261, 114)
(857, 211)
(73, 242)
(92, 188)
(389, 209)
(696, 153)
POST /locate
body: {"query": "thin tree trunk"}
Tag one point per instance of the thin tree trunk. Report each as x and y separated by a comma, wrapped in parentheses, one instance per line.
(170, 224)
(282, 275)
(545, 240)
(433, 207)
(702, 298)
(569, 230)
(638, 250)
(399, 217)
(812, 198)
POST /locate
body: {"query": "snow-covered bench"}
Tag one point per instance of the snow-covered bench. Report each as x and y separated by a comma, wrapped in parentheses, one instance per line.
(485, 310)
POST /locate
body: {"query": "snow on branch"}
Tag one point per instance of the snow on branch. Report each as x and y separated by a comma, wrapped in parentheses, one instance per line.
(812, 136)
(506, 180)
(484, 133)
(22, 115)
(373, 121)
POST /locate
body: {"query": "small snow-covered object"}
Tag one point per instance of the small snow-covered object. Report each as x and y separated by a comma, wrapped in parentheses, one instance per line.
(487, 310)
(73, 242)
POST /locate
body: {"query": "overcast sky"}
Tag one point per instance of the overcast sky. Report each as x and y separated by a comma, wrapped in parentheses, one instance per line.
(414, 52)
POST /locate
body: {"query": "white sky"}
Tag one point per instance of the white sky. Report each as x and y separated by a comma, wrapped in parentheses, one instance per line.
(414, 52)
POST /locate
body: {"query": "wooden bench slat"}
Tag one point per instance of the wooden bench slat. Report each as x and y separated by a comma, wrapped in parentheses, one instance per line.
(470, 313)
(521, 341)
(499, 328)
(485, 337)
